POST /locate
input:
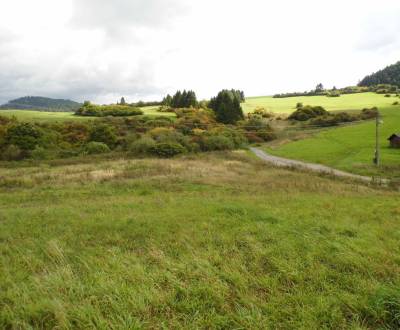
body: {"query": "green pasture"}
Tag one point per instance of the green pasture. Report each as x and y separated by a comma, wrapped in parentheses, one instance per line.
(214, 241)
(42, 116)
(350, 148)
(344, 102)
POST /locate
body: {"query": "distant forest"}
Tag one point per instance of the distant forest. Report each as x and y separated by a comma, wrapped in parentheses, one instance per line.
(389, 75)
(41, 104)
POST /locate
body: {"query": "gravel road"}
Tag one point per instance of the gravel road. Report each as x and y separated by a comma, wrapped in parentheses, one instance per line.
(284, 162)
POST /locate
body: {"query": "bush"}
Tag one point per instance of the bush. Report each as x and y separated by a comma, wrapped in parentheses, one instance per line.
(307, 112)
(23, 135)
(93, 148)
(163, 134)
(93, 110)
(40, 153)
(11, 152)
(396, 103)
(103, 133)
(388, 95)
(75, 133)
(167, 149)
(261, 112)
(217, 142)
(143, 146)
(266, 135)
(253, 137)
(369, 113)
(333, 94)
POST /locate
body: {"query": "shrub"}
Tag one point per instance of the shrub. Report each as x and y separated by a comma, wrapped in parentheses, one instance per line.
(307, 112)
(12, 152)
(261, 112)
(167, 149)
(396, 103)
(103, 133)
(266, 135)
(388, 95)
(143, 146)
(40, 153)
(23, 135)
(369, 113)
(93, 148)
(93, 110)
(217, 142)
(253, 137)
(163, 134)
(75, 133)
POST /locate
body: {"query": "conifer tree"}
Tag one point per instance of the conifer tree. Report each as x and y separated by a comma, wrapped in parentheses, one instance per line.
(227, 107)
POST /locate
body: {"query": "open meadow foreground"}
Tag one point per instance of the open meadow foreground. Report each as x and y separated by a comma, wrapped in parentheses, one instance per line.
(182, 164)
(210, 241)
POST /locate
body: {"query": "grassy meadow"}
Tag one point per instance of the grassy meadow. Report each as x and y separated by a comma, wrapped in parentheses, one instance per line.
(349, 148)
(43, 116)
(344, 102)
(218, 241)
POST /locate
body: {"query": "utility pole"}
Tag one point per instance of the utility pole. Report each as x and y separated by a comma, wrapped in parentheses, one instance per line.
(377, 159)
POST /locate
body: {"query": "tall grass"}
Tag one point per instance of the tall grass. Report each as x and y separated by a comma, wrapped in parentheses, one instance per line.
(209, 241)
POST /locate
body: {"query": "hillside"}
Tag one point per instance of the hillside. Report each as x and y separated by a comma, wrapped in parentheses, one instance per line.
(41, 103)
(389, 75)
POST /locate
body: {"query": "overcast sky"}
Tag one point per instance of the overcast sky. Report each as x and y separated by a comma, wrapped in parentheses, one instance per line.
(101, 50)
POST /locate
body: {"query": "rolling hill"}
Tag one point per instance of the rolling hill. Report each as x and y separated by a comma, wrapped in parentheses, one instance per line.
(389, 75)
(41, 103)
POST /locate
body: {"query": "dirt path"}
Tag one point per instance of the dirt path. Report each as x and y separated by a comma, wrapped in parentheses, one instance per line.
(284, 162)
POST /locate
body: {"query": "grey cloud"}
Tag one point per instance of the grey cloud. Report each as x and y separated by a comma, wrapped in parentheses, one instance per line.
(113, 16)
(380, 32)
(76, 82)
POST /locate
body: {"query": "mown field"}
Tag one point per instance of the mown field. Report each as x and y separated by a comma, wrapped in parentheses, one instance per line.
(217, 241)
(349, 148)
(344, 102)
(41, 116)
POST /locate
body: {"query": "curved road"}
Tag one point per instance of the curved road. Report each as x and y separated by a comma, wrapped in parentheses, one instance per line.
(284, 162)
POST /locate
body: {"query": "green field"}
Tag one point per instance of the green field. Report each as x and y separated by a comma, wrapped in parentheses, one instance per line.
(344, 102)
(215, 241)
(349, 148)
(41, 116)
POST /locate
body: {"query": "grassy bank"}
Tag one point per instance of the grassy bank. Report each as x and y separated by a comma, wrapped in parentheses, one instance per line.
(208, 241)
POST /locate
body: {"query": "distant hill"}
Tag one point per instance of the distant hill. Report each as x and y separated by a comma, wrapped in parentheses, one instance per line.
(41, 104)
(389, 75)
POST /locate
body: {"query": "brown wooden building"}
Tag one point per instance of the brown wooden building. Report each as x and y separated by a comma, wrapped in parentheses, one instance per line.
(395, 140)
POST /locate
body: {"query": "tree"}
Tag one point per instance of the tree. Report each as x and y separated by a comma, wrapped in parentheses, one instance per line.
(167, 101)
(227, 107)
(123, 102)
(185, 99)
(319, 88)
(390, 75)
